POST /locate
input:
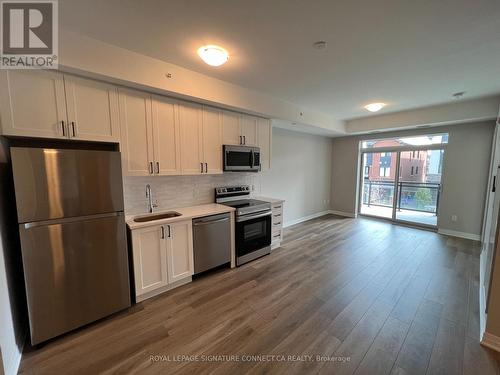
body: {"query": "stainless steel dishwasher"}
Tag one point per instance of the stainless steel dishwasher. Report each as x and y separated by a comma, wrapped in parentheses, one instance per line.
(211, 242)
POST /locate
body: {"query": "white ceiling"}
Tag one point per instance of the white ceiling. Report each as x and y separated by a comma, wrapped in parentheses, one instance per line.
(408, 53)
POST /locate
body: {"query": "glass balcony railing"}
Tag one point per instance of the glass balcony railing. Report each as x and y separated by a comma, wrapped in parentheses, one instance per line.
(413, 196)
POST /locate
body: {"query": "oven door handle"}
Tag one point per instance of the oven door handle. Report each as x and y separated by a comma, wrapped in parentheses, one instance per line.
(250, 217)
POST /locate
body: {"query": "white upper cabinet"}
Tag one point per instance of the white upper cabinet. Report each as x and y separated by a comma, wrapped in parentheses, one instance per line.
(32, 104)
(157, 135)
(239, 129)
(264, 136)
(150, 259)
(166, 136)
(180, 251)
(249, 130)
(52, 105)
(231, 134)
(92, 110)
(212, 140)
(136, 133)
(191, 138)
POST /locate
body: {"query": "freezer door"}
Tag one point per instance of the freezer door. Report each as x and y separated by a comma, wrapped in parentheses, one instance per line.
(57, 183)
(75, 271)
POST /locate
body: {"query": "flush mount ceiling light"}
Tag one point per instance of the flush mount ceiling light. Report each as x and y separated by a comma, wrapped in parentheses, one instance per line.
(213, 55)
(374, 107)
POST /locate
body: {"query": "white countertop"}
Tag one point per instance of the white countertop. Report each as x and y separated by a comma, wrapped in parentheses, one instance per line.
(270, 200)
(187, 213)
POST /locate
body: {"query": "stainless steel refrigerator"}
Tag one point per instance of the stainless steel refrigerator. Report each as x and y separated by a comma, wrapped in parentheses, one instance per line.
(73, 237)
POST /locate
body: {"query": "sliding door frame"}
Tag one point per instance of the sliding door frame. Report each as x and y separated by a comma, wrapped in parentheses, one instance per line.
(398, 151)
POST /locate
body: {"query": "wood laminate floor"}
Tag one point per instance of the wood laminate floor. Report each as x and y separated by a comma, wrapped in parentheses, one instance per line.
(358, 296)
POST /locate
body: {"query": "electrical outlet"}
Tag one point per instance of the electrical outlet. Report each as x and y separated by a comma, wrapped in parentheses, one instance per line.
(454, 218)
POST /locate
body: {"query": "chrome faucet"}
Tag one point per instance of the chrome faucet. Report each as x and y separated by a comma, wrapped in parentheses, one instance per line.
(149, 194)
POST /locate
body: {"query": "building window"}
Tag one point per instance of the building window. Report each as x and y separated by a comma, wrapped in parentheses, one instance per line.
(367, 170)
(416, 170)
(411, 173)
(385, 171)
(382, 154)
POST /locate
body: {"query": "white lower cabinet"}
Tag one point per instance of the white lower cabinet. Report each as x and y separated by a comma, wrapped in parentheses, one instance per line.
(150, 259)
(163, 257)
(180, 251)
(277, 225)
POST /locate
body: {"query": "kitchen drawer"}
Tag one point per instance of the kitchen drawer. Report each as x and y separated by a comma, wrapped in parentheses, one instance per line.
(277, 215)
(276, 231)
(276, 237)
(277, 207)
(277, 222)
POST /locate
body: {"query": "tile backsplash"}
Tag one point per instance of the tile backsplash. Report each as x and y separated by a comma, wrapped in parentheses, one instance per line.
(180, 191)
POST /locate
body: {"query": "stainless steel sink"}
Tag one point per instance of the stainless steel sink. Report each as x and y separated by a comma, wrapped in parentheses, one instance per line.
(164, 215)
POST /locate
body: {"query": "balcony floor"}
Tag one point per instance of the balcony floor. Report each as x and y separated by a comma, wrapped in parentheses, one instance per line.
(425, 218)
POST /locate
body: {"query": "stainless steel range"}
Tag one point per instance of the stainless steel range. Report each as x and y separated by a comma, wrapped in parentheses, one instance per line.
(253, 222)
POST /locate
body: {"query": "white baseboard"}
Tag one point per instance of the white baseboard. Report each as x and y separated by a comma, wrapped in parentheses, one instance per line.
(305, 218)
(491, 341)
(342, 213)
(454, 233)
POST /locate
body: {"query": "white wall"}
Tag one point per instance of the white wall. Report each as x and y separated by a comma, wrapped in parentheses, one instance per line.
(300, 174)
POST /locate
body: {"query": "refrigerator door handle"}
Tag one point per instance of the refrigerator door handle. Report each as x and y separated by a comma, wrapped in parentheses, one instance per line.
(69, 219)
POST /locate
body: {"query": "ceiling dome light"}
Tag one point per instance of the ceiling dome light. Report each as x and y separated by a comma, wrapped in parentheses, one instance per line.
(213, 55)
(374, 107)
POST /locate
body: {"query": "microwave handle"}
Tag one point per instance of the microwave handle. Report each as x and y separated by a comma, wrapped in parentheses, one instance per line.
(253, 160)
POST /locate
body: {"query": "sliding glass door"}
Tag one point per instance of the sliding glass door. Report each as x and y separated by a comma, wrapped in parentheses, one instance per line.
(419, 186)
(378, 190)
(400, 182)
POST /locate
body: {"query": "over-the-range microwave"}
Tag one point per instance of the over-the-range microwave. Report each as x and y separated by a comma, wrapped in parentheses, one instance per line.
(241, 158)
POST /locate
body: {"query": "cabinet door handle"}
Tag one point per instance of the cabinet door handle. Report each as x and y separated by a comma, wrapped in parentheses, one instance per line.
(63, 128)
(201, 167)
(244, 139)
(277, 223)
(73, 127)
(162, 232)
(150, 167)
(241, 140)
(169, 234)
(206, 167)
(157, 167)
